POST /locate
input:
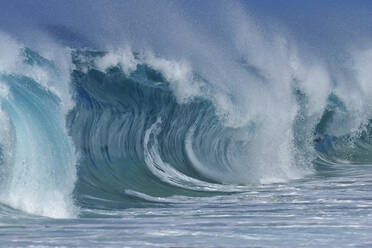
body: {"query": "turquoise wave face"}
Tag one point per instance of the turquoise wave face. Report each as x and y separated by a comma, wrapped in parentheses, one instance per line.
(40, 157)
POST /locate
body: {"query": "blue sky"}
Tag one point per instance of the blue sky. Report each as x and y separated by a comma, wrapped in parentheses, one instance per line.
(321, 24)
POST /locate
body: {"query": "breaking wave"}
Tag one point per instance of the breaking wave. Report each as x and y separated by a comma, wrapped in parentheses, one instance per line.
(86, 128)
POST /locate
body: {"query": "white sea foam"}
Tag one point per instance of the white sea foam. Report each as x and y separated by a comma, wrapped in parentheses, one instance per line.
(121, 57)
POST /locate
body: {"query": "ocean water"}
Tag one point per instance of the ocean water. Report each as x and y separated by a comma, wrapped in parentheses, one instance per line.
(178, 124)
(319, 211)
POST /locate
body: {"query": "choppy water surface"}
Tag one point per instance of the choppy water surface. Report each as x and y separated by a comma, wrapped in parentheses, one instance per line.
(332, 209)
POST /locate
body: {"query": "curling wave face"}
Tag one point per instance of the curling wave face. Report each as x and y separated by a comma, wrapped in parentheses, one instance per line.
(86, 129)
(145, 137)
